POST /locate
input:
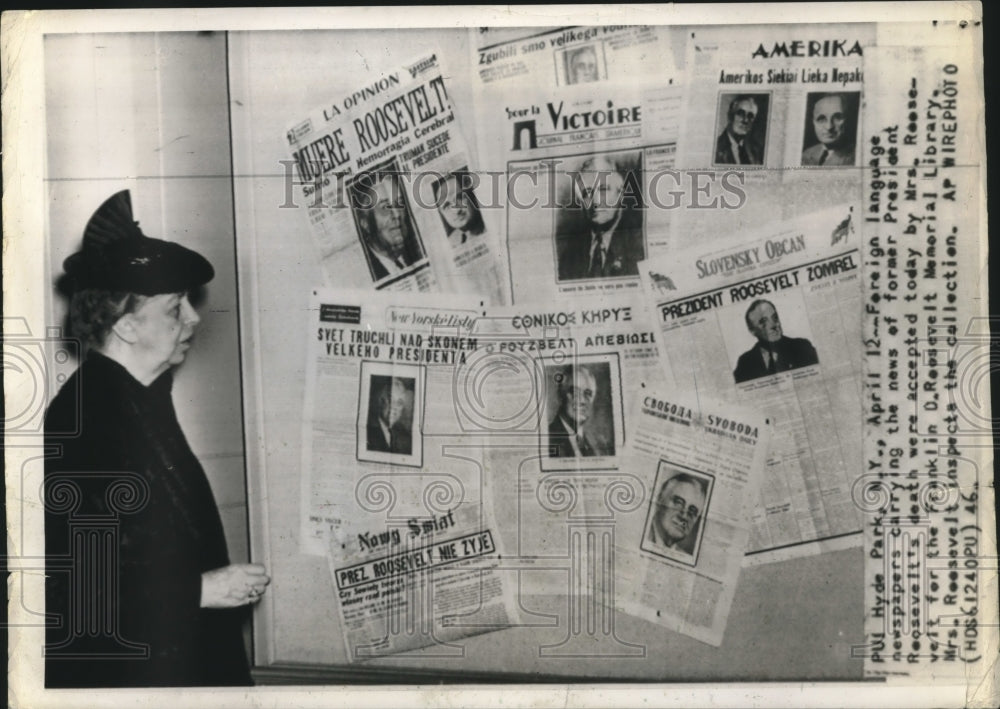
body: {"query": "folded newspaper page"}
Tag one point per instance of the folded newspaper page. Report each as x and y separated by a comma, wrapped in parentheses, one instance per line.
(389, 189)
(927, 489)
(388, 496)
(560, 412)
(430, 581)
(771, 320)
(678, 559)
(782, 106)
(581, 120)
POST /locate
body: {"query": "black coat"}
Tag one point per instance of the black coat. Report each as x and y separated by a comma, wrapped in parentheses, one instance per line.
(724, 151)
(131, 466)
(402, 440)
(411, 254)
(793, 352)
(560, 445)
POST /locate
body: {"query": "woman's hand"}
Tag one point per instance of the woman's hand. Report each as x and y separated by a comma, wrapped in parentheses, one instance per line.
(233, 585)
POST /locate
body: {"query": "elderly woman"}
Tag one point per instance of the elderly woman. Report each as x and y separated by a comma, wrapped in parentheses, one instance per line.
(139, 589)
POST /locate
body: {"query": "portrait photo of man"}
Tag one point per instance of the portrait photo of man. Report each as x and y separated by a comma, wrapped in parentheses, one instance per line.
(600, 234)
(574, 430)
(773, 352)
(830, 131)
(676, 514)
(581, 65)
(384, 222)
(458, 207)
(742, 140)
(390, 415)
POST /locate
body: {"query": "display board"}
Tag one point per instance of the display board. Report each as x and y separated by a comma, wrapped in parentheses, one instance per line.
(793, 619)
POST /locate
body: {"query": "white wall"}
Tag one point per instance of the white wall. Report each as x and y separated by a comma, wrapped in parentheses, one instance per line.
(149, 113)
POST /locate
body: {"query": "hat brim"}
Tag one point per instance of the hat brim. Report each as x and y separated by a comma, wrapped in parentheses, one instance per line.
(142, 265)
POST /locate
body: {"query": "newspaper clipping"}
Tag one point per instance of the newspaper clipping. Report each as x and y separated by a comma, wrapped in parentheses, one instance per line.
(574, 372)
(771, 320)
(678, 561)
(578, 151)
(781, 105)
(380, 381)
(424, 582)
(399, 514)
(385, 177)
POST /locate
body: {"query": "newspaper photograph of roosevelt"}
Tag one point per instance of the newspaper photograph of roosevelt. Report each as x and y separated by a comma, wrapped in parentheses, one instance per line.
(599, 233)
(390, 403)
(582, 412)
(741, 128)
(674, 522)
(774, 351)
(385, 224)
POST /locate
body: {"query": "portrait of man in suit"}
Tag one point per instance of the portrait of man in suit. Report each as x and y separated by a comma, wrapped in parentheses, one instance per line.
(832, 123)
(600, 234)
(572, 431)
(773, 352)
(742, 140)
(458, 207)
(675, 515)
(582, 67)
(384, 223)
(390, 415)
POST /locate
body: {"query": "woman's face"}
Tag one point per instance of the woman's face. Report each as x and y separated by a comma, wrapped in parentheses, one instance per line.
(164, 325)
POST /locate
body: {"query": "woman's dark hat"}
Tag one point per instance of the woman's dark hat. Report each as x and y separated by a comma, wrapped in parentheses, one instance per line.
(117, 256)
